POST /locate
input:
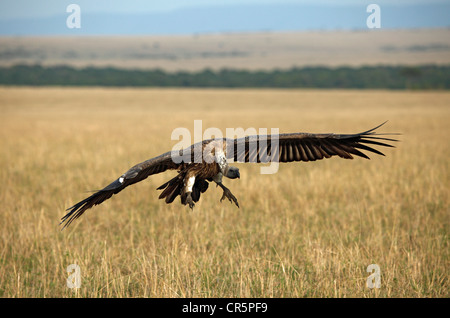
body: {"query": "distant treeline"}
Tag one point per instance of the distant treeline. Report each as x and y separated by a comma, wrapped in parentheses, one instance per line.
(384, 77)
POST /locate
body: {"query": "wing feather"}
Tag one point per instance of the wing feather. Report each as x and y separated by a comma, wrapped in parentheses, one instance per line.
(308, 147)
(135, 174)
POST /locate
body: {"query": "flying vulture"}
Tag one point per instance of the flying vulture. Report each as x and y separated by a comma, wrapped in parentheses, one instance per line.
(207, 161)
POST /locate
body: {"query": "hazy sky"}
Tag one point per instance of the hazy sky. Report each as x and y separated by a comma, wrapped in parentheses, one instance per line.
(12, 9)
(128, 17)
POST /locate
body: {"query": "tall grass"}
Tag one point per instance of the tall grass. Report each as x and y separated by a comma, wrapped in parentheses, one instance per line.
(309, 230)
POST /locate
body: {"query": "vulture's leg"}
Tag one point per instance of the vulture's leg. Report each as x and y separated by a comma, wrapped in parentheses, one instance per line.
(227, 194)
(189, 183)
(189, 200)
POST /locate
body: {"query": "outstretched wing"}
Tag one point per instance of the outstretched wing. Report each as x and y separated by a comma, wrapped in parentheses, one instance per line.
(283, 147)
(305, 146)
(135, 174)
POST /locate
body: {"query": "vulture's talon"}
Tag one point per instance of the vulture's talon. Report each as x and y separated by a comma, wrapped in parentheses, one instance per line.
(228, 195)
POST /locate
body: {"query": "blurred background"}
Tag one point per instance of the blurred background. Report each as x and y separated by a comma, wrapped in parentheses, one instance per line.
(410, 48)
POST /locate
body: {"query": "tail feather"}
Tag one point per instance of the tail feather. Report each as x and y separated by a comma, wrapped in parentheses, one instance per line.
(173, 188)
(171, 192)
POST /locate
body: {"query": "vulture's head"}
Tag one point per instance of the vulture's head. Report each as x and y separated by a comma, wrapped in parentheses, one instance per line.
(232, 173)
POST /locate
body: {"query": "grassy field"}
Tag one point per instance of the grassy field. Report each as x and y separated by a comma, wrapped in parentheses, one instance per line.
(311, 230)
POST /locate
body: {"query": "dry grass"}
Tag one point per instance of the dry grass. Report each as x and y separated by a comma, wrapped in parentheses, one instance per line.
(310, 230)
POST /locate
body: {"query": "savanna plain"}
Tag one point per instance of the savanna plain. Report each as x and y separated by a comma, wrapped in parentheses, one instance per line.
(309, 230)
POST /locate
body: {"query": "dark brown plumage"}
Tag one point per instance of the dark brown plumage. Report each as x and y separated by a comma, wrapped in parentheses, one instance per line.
(291, 147)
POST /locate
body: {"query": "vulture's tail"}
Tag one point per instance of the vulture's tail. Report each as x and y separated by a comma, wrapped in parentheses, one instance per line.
(174, 187)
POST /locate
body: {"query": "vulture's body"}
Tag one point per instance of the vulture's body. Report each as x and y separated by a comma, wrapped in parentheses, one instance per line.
(207, 161)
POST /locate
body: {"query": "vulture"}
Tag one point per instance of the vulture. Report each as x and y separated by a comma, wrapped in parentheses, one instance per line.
(207, 161)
